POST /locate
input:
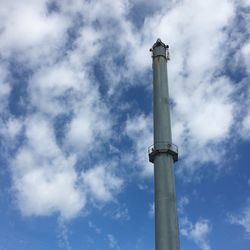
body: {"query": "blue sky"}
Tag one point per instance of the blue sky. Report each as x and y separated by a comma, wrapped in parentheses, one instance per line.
(76, 121)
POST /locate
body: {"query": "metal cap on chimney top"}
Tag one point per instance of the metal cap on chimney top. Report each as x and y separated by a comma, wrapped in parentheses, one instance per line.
(160, 49)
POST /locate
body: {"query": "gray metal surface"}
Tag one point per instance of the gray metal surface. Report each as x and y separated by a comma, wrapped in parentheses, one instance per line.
(163, 147)
(166, 225)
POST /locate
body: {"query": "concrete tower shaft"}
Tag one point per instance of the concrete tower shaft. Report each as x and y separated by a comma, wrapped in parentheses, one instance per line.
(163, 154)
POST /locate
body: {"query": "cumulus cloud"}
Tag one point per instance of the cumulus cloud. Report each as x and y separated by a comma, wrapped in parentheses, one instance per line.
(102, 183)
(42, 174)
(11, 128)
(245, 3)
(79, 65)
(196, 231)
(204, 108)
(245, 122)
(42, 30)
(240, 63)
(245, 50)
(192, 72)
(65, 89)
(87, 128)
(49, 84)
(45, 178)
(246, 127)
(5, 88)
(139, 130)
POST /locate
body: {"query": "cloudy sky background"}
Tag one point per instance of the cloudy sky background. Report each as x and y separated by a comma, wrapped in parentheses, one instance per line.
(76, 121)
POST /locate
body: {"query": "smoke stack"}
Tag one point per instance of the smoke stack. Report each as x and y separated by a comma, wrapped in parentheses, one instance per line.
(163, 154)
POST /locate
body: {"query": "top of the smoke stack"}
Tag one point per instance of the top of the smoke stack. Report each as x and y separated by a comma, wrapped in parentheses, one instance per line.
(159, 43)
(159, 49)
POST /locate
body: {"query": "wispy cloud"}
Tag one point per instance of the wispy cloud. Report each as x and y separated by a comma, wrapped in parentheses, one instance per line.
(151, 211)
(94, 227)
(242, 219)
(112, 242)
(63, 235)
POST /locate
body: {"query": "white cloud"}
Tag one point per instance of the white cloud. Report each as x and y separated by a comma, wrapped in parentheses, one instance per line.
(245, 3)
(197, 232)
(245, 123)
(209, 103)
(60, 84)
(151, 211)
(66, 89)
(242, 219)
(63, 235)
(41, 192)
(121, 214)
(87, 129)
(246, 127)
(28, 26)
(203, 122)
(5, 88)
(44, 178)
(94, 227)
(53, 88)
(88, 44)
(63, 82)
(11, 128)
(102, 183)
(112, 241)
(139, 130)
(245, 50)
(182, 203)
(203, 113)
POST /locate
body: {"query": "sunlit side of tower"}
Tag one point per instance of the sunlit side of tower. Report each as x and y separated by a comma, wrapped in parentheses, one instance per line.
(163, 154)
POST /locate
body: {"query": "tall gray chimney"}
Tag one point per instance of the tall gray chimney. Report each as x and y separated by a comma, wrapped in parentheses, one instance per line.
(163, 154)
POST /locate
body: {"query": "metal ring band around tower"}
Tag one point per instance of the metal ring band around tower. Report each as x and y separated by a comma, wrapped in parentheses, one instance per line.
(163, 147)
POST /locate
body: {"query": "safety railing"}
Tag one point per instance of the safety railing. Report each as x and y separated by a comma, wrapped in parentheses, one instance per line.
(162, 147)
